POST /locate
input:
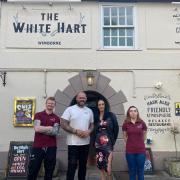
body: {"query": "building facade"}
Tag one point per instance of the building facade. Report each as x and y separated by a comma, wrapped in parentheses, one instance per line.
(131, 49)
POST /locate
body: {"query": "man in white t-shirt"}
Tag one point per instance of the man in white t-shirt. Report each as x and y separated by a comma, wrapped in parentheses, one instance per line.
(78, 121)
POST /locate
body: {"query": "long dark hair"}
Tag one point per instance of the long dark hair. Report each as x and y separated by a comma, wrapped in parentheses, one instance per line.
(106, 111)
(128, 118)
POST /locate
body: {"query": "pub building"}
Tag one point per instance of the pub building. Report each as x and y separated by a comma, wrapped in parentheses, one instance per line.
(124, 51)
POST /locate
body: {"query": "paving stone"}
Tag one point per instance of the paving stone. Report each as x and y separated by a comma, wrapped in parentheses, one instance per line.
(70, 92)
(102, 83)
(61, 98)
(59, 109)
(76, 83)
(117, 98)
(109, 92)
(93, 174)
(118, 109)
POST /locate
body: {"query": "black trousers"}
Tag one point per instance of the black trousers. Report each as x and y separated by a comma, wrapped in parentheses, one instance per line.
(77, 155)
(36, 158)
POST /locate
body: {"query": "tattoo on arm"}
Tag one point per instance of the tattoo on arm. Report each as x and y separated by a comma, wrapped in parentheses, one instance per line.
(39, 128)
(37, 122)
(55, 130)
(65, 125)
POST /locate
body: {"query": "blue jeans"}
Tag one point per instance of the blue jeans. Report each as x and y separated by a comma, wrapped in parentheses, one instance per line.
(136, 165)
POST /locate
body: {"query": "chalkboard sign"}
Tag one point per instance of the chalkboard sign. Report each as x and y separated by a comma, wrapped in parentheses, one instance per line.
(18, 160)
(148, 166)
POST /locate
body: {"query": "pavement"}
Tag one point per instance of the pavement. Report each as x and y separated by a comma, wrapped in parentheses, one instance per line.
(159, 175)
(93, 174)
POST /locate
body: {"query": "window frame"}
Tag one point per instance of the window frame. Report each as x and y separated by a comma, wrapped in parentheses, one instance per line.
(134, 47)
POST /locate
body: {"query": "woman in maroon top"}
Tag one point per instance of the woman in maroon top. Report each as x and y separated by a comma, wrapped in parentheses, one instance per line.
(134, 133)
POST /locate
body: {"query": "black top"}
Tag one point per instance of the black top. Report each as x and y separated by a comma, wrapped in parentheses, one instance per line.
(106, 132)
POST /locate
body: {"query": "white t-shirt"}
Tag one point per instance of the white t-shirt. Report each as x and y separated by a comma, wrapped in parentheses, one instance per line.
(79, 118)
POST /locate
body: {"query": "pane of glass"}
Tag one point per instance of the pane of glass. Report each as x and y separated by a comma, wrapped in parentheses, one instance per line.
(114, 21)
(129, 11)
(122, 21)
(129, 20)
(122, 32)
(129, 41)
(129, 32)
(106, 21)
(114, 11)
(121, 41)
(106, 11)
(114, 32)
(121, 11)
(114, 41)
(106, 41)
(106, 31)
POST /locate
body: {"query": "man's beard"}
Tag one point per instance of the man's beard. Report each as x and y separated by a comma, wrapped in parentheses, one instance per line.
(81, 103)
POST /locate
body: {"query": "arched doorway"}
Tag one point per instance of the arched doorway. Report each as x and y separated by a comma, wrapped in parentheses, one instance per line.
(101, 88)
(92, 98)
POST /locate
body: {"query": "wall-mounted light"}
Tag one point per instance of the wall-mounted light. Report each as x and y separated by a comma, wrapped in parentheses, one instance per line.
(3, 77)
(158, 85)
(90, 78)
(50, 3)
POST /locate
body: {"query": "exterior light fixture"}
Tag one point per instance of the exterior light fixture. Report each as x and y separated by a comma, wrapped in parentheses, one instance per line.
(90, 78)
(158, 85)
(3, 77)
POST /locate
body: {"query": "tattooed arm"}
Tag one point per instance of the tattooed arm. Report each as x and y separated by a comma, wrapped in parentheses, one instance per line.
(65, 125)
(55, 130)
(41, 129)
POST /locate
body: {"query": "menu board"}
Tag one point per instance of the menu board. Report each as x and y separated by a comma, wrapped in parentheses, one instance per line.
(18, 159)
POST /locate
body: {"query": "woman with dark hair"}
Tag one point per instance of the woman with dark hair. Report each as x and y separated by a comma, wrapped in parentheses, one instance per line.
(106, 132)
(134, 133)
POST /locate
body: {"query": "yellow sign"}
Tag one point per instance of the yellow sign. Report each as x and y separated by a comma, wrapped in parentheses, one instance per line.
(177, 109)
(24, 109)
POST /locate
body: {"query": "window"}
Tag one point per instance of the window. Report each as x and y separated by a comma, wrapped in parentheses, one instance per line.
(118, 27)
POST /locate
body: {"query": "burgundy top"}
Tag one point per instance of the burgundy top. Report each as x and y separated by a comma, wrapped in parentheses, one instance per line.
(40, 139)
(135, 133)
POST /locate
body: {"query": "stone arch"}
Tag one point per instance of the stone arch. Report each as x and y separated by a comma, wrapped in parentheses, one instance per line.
(101, 85)
(115, 100)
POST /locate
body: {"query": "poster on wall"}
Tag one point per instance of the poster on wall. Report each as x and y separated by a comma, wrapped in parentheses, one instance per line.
(24, 110)
(177, 109)
(158, 112)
